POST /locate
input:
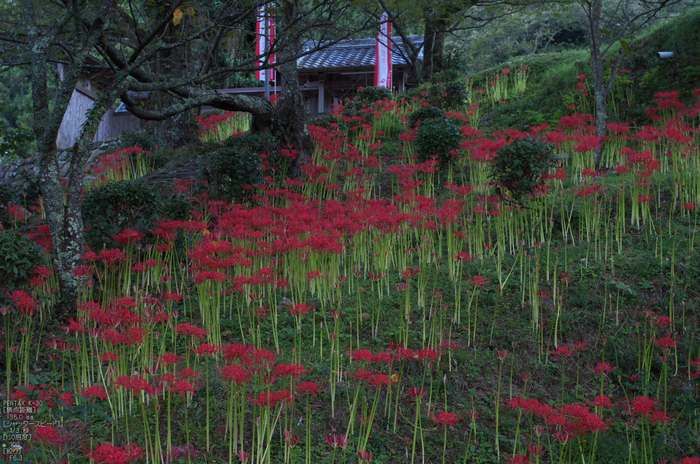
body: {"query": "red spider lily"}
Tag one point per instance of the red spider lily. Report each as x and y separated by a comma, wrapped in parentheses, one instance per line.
(109, 357)
(445, 419)
(502, 354)
(183, 387)
(427, 354)
(188, 373)
(642, 405)
(108, 453)
(128, 236)
(562, 351)
(187, 329)
(24, 303)
(236, 351)
(299, 309)
(290, 439)
(362, 355)
(136, 383)
(417, 392)
(206, 349)
(337, 441)
(293, 370)
(378, 380)
(665, 343)
(95, 392)
(658, 416)
(110, 258)
(535, 450)
(603, 368)
(235, 373)
(176, 297)
(408, 273)
(169, 359)
(271, 399)
(243, 456)
(364, 455)
(663, 321)
(133, 335)
(44, 393)
(579, 420)
(362, 374)
(520, 459)
(48, 435)
(310, 388)
(602, 401)
(478, 281)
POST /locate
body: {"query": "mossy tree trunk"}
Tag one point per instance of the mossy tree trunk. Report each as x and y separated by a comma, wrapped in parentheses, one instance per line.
(62, 203)
(291, 128)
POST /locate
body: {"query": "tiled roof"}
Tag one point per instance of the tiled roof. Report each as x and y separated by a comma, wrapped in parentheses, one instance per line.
(355, 53)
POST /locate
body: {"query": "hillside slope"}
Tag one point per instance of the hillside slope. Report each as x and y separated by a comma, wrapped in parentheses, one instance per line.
(554, 77)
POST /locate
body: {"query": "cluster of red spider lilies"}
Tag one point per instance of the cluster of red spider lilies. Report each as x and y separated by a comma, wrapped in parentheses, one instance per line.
(242, 332)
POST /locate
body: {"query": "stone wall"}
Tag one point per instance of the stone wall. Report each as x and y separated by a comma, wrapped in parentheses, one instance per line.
(17, 174)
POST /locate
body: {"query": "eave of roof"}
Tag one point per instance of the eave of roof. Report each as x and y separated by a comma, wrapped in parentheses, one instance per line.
(352, 54)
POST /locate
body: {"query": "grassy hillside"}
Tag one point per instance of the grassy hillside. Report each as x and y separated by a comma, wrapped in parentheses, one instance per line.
(388, 306)
(554, 77)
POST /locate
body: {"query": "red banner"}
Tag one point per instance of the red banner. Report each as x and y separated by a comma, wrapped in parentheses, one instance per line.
(263, 42)
(382, 61)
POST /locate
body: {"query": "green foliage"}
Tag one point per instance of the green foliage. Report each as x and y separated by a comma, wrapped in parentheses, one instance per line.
(178, 207)
(651, 75)
(324, 121)
(113, 207)
(5, 200)
(372, 94)
(519, 166)
(438, 137)
(136, 139)
(448, 90)
(20, 256)
(13, 141)
(534, 29)
(424, 114)
(238, 165)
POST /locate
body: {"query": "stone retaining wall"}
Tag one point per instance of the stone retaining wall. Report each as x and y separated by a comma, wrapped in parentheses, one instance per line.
(17, 174)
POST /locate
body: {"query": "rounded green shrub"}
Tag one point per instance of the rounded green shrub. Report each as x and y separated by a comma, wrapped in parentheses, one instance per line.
(136, 139)
(20, 256)
(518, 168)
(113, 207)
(372, 94)
(437, 137)
(237, 165)
(425, 113)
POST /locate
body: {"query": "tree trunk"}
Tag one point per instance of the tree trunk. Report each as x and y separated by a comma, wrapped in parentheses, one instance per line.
(433, 47)
(62, 205)
(291, 130)
(599, 87)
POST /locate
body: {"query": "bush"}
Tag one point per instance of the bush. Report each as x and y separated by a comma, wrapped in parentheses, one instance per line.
(136, 139)
(15, 142)
(5, 200)
(425, 113)
(518, 168)
(20, 256)
(113, 207)
(437, 137)
(372, 94)
(450, 95)
(238, 165)
(178, 207)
